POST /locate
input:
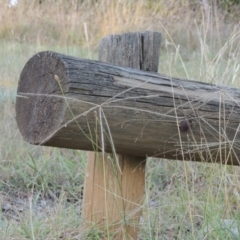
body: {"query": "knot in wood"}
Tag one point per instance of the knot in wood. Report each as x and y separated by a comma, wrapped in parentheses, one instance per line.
(184, 125)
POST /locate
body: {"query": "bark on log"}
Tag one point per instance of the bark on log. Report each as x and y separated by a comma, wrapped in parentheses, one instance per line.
(69, 102)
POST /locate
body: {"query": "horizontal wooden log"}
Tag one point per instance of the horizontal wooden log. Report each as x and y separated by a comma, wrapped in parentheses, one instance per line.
(90, 105)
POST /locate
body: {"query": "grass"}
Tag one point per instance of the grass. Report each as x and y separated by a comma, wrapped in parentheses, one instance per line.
(41, 188)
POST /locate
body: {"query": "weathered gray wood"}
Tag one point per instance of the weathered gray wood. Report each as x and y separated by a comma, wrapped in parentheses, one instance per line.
(115, 185)
(134, 50)
(139, 111)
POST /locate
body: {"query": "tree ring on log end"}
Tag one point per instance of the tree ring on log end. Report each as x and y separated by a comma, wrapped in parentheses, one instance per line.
(40, 99)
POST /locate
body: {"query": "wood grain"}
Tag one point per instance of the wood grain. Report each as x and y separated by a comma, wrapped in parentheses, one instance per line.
(64, 100)
(115, 184)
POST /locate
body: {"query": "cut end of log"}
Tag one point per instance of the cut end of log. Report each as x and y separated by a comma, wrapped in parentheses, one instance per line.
(41, 83)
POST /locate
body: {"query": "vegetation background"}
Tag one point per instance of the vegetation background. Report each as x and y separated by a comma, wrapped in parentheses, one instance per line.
(41, 188)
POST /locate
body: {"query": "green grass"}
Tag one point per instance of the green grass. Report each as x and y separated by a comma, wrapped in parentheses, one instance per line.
(39, 185)
(41, 188)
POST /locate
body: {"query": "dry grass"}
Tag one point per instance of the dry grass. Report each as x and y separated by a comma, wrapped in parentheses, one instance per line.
(72, 22)
(41, 187)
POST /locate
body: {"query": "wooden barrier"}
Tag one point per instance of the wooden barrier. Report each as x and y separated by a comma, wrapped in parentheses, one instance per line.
(115, 184)
(91, 105)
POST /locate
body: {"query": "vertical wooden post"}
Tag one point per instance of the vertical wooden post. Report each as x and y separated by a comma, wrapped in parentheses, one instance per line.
(112, 200)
